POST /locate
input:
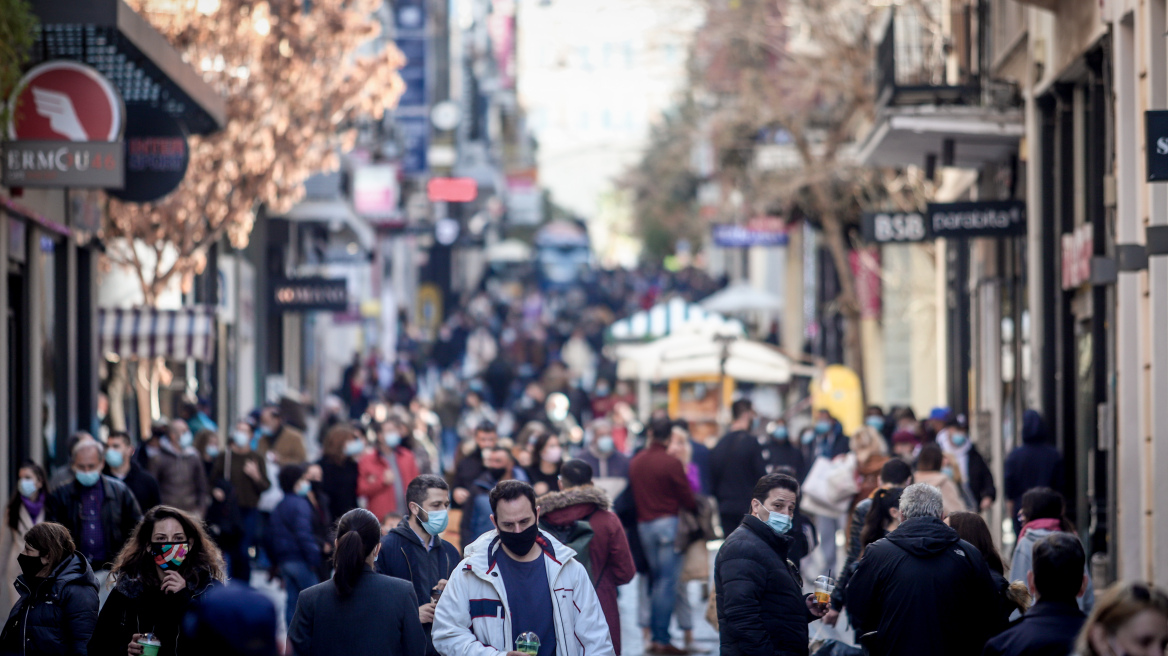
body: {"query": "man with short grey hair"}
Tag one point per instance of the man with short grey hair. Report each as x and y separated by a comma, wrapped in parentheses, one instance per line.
(922, 589)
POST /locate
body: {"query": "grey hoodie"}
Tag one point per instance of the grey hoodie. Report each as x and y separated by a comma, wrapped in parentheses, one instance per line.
(1023, 562)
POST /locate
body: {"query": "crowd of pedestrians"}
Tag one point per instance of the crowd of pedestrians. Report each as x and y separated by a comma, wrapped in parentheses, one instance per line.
(458, 499)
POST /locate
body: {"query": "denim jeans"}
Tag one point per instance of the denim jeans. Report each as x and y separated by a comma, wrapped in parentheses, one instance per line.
(657, 539)
(297, 576)
(827, 527)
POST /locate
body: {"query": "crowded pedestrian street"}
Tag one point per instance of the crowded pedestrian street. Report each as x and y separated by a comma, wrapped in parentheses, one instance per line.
(584, 327)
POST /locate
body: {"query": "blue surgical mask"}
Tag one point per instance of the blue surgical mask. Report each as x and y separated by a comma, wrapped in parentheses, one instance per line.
(212, 451)
(877, 423)
(115, 459)
(241, 439)
(947, 471)
(779, 522)
(605, 445)
(186, 439)
(435, 521)
(303, 488)
(27, 487)
(392, 440)
(781, 433)
(822, 426)
(355, 447)
(958, 439)
(87, 479)
(808, 437)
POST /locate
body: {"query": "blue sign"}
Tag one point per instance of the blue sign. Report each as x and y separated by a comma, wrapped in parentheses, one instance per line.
(414, 72)
(415, 137)
(737, 236)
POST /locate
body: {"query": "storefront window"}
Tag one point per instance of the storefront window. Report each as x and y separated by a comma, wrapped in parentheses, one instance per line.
(46, 297)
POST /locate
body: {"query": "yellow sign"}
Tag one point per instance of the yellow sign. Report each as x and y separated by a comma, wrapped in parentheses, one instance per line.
(838, 391)
(429, 309)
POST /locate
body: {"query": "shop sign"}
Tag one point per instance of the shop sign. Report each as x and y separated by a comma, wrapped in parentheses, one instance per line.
(157, 154)
(998, 218)
(62, 164)
(310, 294)
(1156, 144)
(1078, 249)
(375, 191)
(894, 227)
(64, 129)
(758, 231)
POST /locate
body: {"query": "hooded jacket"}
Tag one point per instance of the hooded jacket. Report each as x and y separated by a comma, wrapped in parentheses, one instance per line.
(1023, 562)
(474, 619)
(924, 591)
(134, 606)
(761, 606)
(1036, 463)
(403, 556)
(56, 615)
(608, 552)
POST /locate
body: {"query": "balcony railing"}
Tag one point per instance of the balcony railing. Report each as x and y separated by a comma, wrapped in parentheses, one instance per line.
(912, 66)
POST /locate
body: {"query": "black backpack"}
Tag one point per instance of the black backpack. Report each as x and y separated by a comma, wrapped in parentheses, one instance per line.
(576, 536)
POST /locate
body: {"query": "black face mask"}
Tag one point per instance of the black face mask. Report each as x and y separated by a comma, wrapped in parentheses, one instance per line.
(520, 543)
(497, 472)
(30, 566)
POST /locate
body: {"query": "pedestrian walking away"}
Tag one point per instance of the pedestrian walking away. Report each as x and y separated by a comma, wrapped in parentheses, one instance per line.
(762, 609)
(516, 580)
(167, 564)
(414, 550)
(1050, 627)
(57, 608)
(357, 611)
(1043, 512)
(735, 462)
(922, 589)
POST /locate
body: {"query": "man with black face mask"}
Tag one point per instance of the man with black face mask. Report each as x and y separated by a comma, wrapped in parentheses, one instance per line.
(517, 580)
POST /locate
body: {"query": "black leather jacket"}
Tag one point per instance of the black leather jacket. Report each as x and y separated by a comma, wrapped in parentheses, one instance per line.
(119, 514)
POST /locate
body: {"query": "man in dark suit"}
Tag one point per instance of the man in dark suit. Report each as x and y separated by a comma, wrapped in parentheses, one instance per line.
(1051, 625)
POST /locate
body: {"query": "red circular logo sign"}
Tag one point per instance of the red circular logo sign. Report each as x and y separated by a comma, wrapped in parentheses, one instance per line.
(65, 101)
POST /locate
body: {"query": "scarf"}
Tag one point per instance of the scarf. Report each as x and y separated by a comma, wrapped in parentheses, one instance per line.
(34, 508)
(1048, 524)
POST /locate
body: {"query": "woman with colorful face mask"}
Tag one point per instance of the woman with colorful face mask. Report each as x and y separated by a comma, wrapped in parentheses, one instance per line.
(57, 608)
(25, 509)
(168, 563)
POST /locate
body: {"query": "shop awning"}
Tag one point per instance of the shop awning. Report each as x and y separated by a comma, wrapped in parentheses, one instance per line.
(142, 332)
(977, 135)
(111, 37)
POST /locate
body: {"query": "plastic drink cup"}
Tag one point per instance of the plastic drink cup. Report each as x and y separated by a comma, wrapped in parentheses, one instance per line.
(150, 644)
(528, 643)
(824, 586)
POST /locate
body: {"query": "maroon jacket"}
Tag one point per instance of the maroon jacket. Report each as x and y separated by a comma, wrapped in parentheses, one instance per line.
(612, 562)
(660, 486)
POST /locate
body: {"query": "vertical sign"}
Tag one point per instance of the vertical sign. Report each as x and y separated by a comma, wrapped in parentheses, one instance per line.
(409, 21)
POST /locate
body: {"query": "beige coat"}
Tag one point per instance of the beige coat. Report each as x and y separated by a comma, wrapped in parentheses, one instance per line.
(11, 544)
(950, 495)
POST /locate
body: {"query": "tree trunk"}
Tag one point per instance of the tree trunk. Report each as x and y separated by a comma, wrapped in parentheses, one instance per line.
(848, 300)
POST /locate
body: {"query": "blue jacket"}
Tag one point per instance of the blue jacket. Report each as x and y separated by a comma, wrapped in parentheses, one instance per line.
(403, 556)
(292, 536)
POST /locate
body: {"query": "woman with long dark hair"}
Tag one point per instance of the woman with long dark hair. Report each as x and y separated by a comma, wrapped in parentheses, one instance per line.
(57, 609)
(383, 609)
(1043, 512)
(25, 509)
(168, 563)
(546, 456)
(974, 530)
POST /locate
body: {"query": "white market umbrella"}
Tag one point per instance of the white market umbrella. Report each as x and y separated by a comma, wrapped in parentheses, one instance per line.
(672, 317)
(741, 297)
(695, 354)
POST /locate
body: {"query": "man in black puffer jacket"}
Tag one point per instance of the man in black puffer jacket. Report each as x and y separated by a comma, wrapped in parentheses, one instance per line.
(922, 589)
(762, 610)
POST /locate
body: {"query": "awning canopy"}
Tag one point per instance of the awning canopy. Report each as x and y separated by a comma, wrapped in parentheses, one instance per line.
(144, 332)
(906, 135)
(336, 212)
(141, 63)
(703, 353)
(742, 297)
(665, 318)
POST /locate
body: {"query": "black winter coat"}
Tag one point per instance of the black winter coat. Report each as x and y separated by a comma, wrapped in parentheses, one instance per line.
(380, 617)
(119, 514)
(924, 591)
(404, 557)
(1048, 629)
(339, 482)
(141, 484)
(56, 616)
(761, 606)
(859, 514)
(135, 606)
(981, 480)
(736, 464)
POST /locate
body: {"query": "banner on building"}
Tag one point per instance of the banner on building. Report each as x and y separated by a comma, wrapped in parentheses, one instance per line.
(759, 231)
(995, 218)
(310, 294)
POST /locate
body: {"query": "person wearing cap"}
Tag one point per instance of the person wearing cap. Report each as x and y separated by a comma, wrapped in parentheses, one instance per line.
(939, 418)
(906, 445)
(977, 480)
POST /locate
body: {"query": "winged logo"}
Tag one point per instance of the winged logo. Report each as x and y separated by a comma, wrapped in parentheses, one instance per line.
(58, 108)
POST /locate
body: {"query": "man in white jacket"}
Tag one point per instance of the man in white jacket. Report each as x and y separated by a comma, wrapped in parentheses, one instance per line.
(518, 579)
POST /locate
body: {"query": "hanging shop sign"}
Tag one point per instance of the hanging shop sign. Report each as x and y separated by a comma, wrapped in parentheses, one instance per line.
(759, 231)
(996, 218)
(157, 154)
(1156, 144)
(310, 294)
(64, 129)
(1078, 250)
(894, 227)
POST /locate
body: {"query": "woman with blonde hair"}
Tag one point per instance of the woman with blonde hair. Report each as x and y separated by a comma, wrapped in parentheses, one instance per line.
(1129, 619)
(871, 454)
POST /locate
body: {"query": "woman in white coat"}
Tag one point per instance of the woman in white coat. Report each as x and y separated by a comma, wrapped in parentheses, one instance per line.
(25, 509)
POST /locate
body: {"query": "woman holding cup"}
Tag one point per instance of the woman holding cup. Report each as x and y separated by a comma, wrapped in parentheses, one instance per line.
(168, 563)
